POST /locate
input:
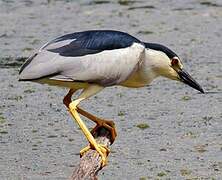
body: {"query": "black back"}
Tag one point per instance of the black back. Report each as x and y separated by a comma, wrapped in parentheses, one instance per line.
(91, 42)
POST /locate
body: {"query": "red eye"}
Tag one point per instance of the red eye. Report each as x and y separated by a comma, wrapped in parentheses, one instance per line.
(174, 61)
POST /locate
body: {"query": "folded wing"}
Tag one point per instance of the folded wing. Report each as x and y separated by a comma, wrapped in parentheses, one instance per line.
(103, 57)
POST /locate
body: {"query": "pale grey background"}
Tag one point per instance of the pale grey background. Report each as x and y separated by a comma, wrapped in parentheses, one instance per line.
(184, 141)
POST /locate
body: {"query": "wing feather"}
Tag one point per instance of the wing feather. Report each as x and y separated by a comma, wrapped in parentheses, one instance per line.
(90, 42)
(103, 57)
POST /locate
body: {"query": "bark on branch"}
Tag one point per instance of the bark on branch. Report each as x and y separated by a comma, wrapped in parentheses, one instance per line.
(90, 162)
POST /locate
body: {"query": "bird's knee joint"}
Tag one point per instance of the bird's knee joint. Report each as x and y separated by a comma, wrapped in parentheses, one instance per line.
(73, 105)
(66, 102)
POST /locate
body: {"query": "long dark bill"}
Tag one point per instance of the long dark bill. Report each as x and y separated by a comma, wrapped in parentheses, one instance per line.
(187, 79)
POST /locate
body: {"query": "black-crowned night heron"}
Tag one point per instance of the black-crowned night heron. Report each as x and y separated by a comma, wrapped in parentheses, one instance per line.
(93, 60)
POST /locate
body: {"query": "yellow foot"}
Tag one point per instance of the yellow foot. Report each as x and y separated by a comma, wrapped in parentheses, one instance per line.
(109, 125)
(101, 149)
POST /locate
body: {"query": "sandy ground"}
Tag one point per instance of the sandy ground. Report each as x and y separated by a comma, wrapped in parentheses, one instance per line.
(183, 134)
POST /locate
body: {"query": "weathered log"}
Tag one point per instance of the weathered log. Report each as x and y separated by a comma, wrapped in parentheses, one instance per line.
(90, 162)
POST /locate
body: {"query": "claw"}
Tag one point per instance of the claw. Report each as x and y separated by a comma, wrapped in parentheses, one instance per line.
(84, 150)
(102, 150)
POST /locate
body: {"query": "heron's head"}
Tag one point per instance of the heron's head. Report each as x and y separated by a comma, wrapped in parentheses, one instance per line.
(167, 64)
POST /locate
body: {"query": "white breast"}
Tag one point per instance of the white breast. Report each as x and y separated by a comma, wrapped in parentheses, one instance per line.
(144, 74)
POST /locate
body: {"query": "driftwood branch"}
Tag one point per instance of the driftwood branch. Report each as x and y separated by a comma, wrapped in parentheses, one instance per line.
(90, 162)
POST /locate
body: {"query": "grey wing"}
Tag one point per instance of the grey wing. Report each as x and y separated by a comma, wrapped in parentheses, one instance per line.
(106, 67)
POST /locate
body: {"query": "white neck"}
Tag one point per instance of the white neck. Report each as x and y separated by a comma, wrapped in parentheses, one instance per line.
(145, 74)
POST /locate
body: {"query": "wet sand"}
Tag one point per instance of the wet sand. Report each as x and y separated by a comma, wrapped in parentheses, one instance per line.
(165, 131)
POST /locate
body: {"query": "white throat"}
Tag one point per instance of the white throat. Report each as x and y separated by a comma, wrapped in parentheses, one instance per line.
(145, 74)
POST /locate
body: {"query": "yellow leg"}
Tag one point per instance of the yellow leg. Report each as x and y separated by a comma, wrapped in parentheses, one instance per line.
(100, 149)
(91, 90)
(109, 125)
